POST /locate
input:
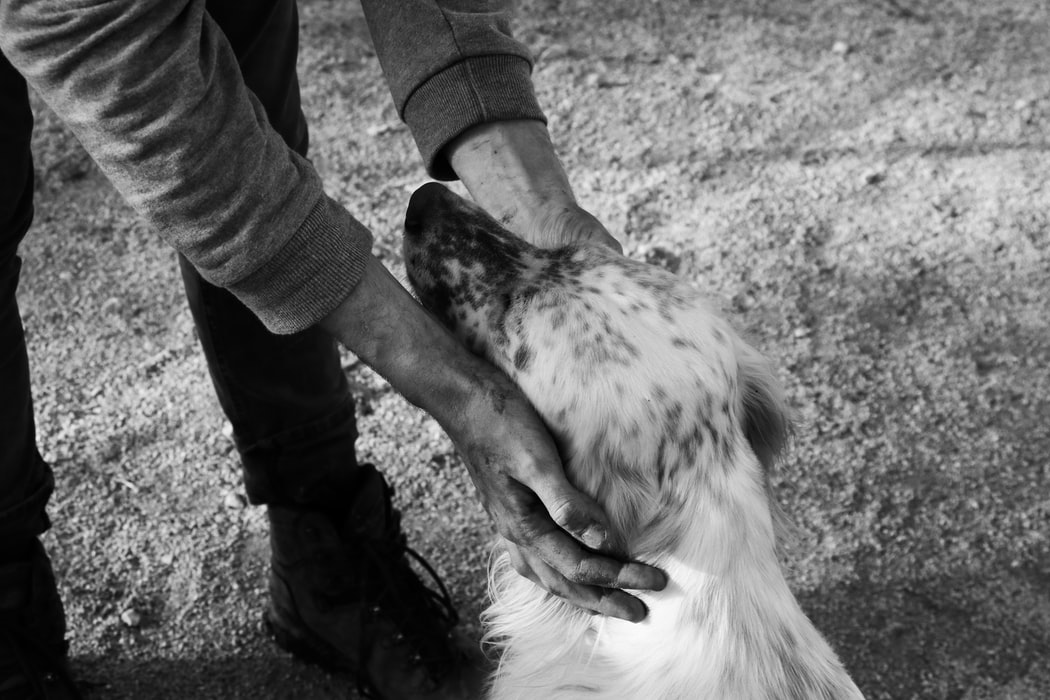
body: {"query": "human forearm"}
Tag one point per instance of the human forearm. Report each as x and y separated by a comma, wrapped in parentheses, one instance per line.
(511, 169)
(154, 92)
(384, 325)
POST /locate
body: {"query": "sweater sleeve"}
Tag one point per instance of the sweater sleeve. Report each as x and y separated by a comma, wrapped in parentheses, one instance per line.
(153, 91)
(451, 65)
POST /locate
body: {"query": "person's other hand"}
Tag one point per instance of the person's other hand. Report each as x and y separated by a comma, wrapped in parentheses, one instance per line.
(511, 170)
(568, 224)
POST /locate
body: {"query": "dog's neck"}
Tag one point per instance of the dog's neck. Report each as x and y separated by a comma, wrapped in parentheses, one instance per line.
(747, 628)
(710, 527)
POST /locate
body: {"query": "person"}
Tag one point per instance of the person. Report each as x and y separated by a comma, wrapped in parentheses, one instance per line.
(192, 110)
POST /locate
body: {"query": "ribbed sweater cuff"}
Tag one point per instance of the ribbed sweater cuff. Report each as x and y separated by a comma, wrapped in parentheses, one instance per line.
(474, 91)
(312, 274)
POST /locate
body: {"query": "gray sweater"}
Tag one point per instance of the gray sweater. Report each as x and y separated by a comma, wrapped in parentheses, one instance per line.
(152, 90)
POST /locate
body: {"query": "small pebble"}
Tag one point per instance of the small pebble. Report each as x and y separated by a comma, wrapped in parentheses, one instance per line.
(131, 618)
(110, 452)
(435, 431)
(554, 52)
(663, 257)
(840, 48)
(743, 301)
(227, 430)
(233, 501)
(874, 176)
(382, 129)
(110, 306)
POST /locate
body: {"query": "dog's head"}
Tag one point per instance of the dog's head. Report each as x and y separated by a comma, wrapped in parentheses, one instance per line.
(564, 323)
(627, 364)
(465, 267)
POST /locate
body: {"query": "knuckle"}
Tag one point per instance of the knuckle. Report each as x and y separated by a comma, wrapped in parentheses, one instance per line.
(581, 572)
(521, 568)
(518, 563)
(521, 502)
(594, 573)
(511, 534)
(560, 589)
(517, 531)
(565, 513)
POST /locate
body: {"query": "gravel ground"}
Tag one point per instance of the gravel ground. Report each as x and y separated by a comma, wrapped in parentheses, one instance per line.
(864, 184)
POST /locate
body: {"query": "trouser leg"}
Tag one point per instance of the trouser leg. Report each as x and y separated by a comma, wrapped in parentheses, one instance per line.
(25, 479)
(286, 396)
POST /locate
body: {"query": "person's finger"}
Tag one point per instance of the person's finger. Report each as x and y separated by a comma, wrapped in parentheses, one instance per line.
(590, 231)
(519, 564)
(580, 566)
(601, 236)
(611, 242)
(594, 599)
(576, 515)
(572, 510)
(571, 225)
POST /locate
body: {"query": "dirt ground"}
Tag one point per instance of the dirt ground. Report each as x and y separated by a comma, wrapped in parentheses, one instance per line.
(866, 185)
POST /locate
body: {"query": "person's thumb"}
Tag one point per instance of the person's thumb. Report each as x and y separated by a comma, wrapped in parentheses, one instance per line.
(575, 512)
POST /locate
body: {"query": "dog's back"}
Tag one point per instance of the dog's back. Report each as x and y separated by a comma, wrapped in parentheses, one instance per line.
(669, 420)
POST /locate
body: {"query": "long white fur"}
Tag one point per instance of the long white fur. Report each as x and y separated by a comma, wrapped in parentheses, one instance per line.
(727, 627)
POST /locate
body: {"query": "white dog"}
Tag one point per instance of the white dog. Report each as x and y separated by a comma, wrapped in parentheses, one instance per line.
(670, 421)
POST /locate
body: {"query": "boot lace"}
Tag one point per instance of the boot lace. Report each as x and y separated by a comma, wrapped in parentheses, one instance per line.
(423, 616)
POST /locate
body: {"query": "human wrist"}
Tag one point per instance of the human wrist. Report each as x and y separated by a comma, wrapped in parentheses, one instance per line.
(511, 170)
(394, 335)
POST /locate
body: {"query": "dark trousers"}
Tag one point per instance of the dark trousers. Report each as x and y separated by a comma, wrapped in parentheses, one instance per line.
(286, 396)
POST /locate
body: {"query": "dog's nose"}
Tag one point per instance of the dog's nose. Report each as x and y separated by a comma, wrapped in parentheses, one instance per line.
(421, 205)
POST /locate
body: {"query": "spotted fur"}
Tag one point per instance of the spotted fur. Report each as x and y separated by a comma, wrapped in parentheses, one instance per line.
(671, 422)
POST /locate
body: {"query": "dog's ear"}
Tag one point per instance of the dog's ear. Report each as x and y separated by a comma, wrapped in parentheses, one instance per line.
(768, 428)
(765, 420)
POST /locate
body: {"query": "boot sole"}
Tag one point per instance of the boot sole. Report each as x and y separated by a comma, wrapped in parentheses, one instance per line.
(285, 627)
(304, 646)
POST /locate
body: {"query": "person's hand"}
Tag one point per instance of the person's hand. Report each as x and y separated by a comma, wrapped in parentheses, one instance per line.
(554, 530)
(511, 170)
(555, 534)
(567, 224)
